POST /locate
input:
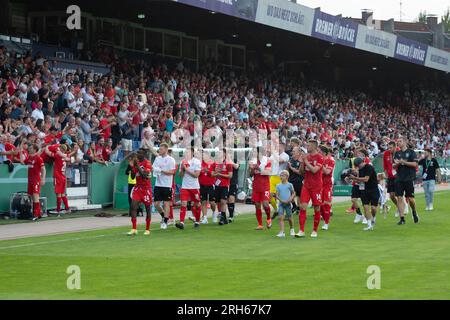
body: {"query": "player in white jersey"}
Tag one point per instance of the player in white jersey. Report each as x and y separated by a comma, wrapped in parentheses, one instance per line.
(190, 169)
(164, 170)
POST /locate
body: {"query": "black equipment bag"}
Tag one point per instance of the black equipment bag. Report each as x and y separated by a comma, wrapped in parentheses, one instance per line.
(22, 204)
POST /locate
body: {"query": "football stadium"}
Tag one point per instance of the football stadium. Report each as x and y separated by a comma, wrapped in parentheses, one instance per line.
(222, 150)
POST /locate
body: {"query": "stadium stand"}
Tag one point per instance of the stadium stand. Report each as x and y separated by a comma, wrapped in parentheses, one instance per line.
(112, 96)
(81, 106)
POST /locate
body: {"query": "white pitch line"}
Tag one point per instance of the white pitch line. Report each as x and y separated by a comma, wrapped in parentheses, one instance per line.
(50, 242)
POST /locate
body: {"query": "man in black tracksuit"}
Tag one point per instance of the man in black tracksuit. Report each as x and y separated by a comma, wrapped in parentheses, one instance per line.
(405, 163)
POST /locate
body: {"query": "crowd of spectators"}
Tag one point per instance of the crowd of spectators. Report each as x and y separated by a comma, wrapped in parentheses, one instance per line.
(142, 103)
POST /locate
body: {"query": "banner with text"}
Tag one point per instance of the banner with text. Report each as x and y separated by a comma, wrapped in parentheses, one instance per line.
(410, 51)
(334, 29)
(376, 41)
(285, 15)
(438, 59)
(245, 9)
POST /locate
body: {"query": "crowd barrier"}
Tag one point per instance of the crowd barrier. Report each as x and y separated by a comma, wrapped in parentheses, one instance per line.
(101, 183)
(98, 178)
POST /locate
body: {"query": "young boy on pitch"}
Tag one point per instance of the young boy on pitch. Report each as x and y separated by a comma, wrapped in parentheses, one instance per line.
(383, 194)
(285, 195)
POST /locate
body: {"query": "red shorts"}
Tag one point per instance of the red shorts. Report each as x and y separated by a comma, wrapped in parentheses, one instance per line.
(142, 195)
(311, 194)
(60, 184)
(190, 195)
(327, 193)
(34, 187)
(261, 196)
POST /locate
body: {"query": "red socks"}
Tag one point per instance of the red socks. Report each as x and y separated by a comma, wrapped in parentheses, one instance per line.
(259, 216)
(267, 211)
(302, 219)
(58, 204)
(197, 212)
(36, 209)
(171, 212)
(148, 220)
(66, 203)
(316, 220)
(326, 212)
(182, 213)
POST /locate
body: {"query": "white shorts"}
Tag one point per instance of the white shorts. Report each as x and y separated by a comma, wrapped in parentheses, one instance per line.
(383, 196)
(127, 145)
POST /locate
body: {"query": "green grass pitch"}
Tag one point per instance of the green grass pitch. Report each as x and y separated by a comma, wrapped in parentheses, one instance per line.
(237, 262)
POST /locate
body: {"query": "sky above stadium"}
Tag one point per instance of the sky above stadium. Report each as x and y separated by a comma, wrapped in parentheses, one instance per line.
(383, 9)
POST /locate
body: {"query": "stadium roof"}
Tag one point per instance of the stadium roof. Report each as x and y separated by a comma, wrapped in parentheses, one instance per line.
(313, 22)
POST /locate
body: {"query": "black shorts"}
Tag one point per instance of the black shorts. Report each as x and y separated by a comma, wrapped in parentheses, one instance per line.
(390, 185)
(356, 193)
(221, 193)
(297, 187)
(370, 197)
(207, 193)
(163, 194)
(404, 188)
(232, 191)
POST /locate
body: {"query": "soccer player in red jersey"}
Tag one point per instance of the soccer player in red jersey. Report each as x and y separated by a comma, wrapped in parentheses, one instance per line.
(190, 168)
(47, 153)
(59, 176)
(207, 186)
(312, 187)
(222, 172)
(327, 187)
(261, 172)
(388, 162)
(142, 191)
(36, 177)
